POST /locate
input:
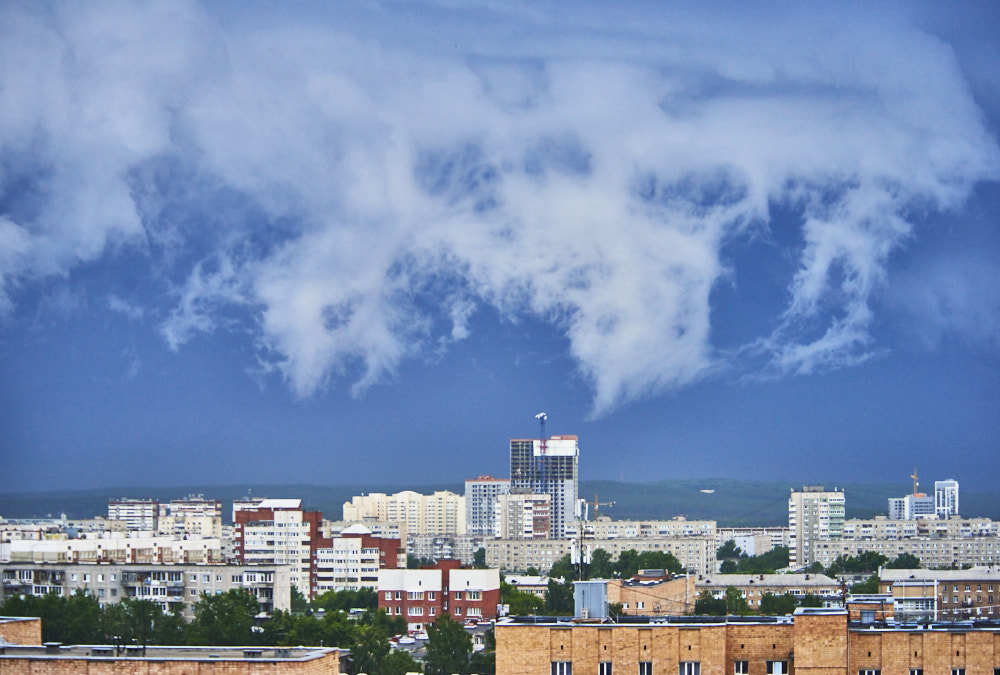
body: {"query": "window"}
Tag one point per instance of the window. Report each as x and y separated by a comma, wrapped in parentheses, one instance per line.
(415, 611)
(916, 671)
(870, 672)
(414, 595)
(687, 668)
(741, 668)
(640, 605)
(432, 595)
(388, 595)
(604, 668)
(958, 671)
(646, 667)
(473, 595)
(458, 595)
(777, 668)
(561, 668)
(399, 595)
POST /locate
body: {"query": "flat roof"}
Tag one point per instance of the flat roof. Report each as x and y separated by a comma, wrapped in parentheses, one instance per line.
(167, 653)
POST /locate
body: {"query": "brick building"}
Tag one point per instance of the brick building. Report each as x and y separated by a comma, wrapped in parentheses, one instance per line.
(21, 630)
(812, 642)
(753, 587)
(922, 594)
(101, 659)
(653, 592)
(423, 595)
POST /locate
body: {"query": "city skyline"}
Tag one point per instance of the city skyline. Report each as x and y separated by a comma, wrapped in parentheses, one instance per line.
(366, 244)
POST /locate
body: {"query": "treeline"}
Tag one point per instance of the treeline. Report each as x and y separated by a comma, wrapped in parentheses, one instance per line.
(230, 619)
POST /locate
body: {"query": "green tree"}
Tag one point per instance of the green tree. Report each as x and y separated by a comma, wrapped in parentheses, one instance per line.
(866, 587)
(484, 662)
(563, 569)
(400, 663)
(810, 600)
(659, 560)
(521, 603)
(225, 619)
(479, 558)
(905, 561)
(627, 564)
(869, 561)
(448, 647)
(601, 566)
(532, 572)
(777, 604)
(390, 625)
(816, 568)
(735, 602)
(559, 598)
(370, 650)
(415, 563)
(332, 601)
(706, 605)
(728, 550)
(299, 602)
(729, 567)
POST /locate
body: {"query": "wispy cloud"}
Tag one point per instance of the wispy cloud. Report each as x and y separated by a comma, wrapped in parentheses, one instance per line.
(585, 176)
(122, 306)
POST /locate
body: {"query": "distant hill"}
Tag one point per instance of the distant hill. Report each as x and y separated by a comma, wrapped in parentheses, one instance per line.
(732, 502)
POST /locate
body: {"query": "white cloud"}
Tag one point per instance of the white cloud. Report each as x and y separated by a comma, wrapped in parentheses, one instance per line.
(583, 176)
(131, 311)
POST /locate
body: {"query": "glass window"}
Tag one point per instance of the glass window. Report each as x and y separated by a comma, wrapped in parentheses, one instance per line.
(689, 668)
(777, 668)
(604, 668)
(741, 668)
(561, 668)
(645, 668)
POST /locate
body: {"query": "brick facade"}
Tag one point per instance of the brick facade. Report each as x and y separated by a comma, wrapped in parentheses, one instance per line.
(814, 642)
(21, 630)
(420, 596)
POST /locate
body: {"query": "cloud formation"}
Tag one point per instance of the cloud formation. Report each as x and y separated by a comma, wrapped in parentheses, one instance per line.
(393, 172)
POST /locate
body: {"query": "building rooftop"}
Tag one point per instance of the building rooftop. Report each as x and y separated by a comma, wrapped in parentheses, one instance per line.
(981, 572)
(156, 653)
(767, 580)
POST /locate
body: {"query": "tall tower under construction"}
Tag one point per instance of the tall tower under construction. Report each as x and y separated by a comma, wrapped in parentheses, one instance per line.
(548, 466)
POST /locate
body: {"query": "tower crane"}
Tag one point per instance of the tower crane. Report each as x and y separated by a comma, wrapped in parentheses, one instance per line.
(916, 483)
(597, 505)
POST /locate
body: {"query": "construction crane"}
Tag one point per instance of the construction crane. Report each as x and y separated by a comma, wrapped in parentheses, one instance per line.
(916, 483)
(597, 505)
(540, 473)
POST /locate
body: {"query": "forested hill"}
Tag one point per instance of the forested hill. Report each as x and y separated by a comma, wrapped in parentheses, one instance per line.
(732, 502)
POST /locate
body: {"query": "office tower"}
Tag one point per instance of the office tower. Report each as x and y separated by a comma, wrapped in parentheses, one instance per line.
(548, 466)
(481, 495)
(946, 498)
(813, 513)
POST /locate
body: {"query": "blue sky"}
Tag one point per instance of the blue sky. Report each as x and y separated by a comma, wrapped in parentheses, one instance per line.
(368, 243)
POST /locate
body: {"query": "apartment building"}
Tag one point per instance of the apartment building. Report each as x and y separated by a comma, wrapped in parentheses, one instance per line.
(925, 594)
(522, 515)
(115, 549)
(333, 528)
(442, 512)
(175, 587)
(280, 532)
(606, 528)
(549, 466)
(910, 507)
(536, 585)
(653, 593)
(444, 547)
(192, 516)
(813, 513)
(946, 498)
(955, 527)
(696, 554)
(813, 641)
(352, 560)
(480, 504)
(753, 587)
(933, 552)
(776, 536)
(422, 595)
(137, 514)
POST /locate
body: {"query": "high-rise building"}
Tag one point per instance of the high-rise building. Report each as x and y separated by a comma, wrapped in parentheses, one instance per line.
(523, 515)
(192, 516)
(813, 513)
(911, 507)
(442, 512)
(946, 498)
(480, 503)
(548, 466)
(280, 532)
(137, 514)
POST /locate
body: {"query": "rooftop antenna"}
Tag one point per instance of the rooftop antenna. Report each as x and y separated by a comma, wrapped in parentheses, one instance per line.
(916, 483)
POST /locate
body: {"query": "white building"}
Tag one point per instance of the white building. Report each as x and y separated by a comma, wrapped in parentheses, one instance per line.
(480, 504)
(115, 549)
(549, 466)
(279, 532)
(522, 516)
(442, 512)
(137, 514)
(946, 498)
(911, 507)
(193, 516)
(813, 513)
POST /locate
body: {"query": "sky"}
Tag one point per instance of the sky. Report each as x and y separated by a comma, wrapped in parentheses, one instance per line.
(368, 242)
